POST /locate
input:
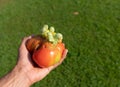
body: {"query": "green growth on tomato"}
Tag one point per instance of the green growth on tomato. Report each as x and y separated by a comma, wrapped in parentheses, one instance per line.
(51, 35)
(47, 47)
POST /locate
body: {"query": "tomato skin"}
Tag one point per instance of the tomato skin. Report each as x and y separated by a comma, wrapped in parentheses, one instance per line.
(33, 43)
(48, 54)
(61, 47)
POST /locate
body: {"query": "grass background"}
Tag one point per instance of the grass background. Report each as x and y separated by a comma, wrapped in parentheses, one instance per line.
(92, 37)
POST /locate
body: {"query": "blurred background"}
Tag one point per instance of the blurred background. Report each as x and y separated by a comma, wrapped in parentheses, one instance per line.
(91, 30)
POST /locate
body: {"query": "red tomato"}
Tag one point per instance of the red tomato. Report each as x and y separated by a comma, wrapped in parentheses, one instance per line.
(33, 43)
(49, 54)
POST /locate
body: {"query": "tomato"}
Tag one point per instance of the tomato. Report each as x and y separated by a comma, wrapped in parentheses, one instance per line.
(33, 43)
(47, 47)
(49, 54)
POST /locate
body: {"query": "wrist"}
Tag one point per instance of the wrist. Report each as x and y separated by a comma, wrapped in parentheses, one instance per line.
(16, 78)
(21, 75)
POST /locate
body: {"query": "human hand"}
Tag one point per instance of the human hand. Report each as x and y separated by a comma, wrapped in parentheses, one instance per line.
(25, 73)
(26, 65)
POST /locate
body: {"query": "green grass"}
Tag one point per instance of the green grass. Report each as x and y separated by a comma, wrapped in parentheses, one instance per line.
(92, 38)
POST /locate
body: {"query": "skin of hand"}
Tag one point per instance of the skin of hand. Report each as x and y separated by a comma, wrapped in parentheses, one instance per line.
(25, 70)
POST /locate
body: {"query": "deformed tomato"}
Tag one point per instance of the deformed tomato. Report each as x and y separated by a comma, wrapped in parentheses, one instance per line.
(47, 48)
(49, 54)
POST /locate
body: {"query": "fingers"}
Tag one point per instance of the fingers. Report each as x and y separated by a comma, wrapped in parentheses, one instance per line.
(23, 46)
(25, 39)
(64, 54)
(23, 52)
